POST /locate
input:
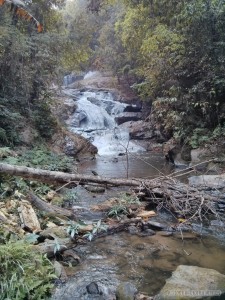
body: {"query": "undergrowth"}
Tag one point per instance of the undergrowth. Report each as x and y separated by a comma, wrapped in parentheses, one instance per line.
(42, 158)
(25, 274)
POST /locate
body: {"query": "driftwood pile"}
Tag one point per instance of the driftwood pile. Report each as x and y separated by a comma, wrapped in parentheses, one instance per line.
(179, 198)
(164, 191)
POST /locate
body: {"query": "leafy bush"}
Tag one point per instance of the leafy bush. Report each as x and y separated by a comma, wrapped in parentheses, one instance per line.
(43, 119)
(25, 274)
(201, 136)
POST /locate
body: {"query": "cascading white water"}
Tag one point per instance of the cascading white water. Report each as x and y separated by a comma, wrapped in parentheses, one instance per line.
(95, 120)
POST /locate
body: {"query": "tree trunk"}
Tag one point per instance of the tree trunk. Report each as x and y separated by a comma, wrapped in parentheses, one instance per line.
(49, 208)
(60, 177)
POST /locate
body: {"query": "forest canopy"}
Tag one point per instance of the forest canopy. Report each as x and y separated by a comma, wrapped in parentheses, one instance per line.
(170, 52)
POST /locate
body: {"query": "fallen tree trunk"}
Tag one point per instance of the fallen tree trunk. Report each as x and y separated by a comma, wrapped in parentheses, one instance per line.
(61, 177)
(48, 208)
(164, 191)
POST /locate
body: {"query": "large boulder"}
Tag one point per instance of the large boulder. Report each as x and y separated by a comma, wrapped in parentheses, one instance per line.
(140, 130)
(191, 282)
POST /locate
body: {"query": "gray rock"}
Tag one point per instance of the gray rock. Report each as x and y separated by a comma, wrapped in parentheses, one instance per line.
(133, 229)
(147, 232)
(126, 291)
(191, 282)
(98, 282)
(140, 130)
(70, 148)
(156, 225)
(199, 155)
(127, 116)
(92, 288)
(217, 223)
(208, 181)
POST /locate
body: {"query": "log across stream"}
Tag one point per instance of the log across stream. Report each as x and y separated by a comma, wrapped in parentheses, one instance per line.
(165, 191)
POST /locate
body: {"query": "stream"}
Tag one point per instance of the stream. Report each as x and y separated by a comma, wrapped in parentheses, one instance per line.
(148, 261)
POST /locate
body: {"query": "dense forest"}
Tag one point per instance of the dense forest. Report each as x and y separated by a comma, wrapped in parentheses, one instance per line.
(170, 53)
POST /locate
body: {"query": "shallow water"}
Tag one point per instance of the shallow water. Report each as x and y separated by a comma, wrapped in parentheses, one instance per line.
(147, 262)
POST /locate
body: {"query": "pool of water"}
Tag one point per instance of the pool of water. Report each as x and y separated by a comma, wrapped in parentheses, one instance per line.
(145, 165)
(144, 261)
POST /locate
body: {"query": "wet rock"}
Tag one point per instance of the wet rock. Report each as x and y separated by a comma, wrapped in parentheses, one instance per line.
(70, 106)
(191, 282)
(115, 160)
(70, 148)
(60, 271)
(98, 281)
(156, 225)
(55, 232)
(127, 116)
(92, 288)
(133, 229)
(208, 181)
(70, 258)
(132, 108)
(147, 232)
(200, 156)
(164, 233)
(126, 291)
(217, 223)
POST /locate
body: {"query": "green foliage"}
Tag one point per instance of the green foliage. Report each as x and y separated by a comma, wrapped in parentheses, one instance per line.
(97, 227)
(5, 151)
(58, 246)
(43, 120)
(117, 210)
(42, 158)
(75, 227)
(24, 273)
(123, 204)
(70, 197)
(174, 49)
(201, 136)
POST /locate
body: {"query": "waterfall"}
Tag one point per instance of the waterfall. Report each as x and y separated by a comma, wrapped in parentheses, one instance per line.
(95, 120)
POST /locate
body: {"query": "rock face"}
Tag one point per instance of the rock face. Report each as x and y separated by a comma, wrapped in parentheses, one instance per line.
(190, 282)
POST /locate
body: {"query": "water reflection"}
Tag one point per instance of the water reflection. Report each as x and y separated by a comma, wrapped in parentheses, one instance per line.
(146, 165)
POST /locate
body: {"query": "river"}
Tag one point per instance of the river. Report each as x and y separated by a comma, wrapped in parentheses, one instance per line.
(144, 261)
